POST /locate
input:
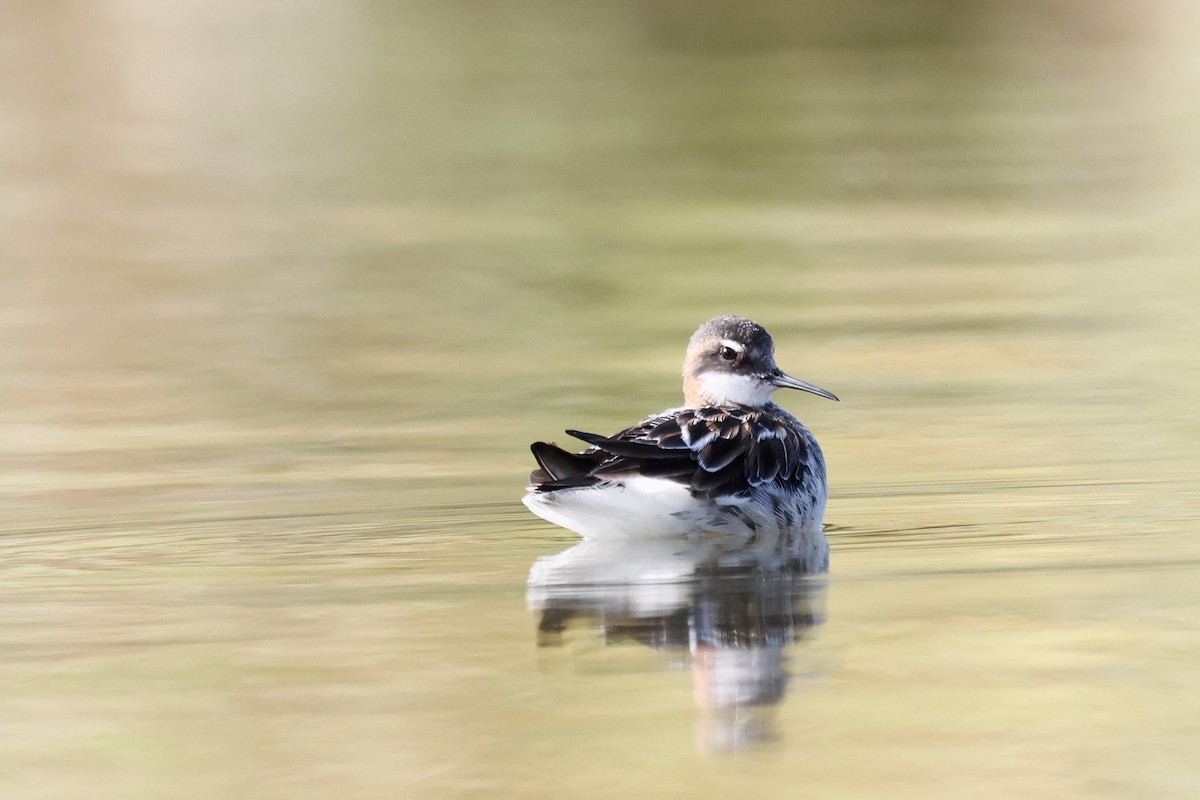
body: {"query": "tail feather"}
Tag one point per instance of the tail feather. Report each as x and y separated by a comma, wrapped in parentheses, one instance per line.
(557, 465)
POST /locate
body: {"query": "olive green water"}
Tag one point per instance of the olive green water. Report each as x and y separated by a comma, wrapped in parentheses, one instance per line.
(287, 289)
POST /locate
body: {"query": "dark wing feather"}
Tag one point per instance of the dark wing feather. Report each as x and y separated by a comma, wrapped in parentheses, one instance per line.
(795, 457)
(620, 446)
(728, 426)
(720, 453)
(723, 482)
(676, 469)
(713, 451)
(766, 462)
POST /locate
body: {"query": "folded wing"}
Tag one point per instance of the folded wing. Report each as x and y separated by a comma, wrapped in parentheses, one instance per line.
(714, 451)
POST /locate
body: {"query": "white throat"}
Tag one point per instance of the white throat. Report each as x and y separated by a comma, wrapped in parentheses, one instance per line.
(726, 388)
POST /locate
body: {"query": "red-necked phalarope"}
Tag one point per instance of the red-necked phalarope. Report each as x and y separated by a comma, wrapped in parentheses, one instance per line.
(728, 461)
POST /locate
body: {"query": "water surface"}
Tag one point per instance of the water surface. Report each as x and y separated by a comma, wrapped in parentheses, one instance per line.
(285, 293)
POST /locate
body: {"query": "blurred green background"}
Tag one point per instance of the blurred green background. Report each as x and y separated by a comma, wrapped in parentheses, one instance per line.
(286, 289)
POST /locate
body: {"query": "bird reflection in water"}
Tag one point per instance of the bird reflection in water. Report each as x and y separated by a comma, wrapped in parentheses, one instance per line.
(731, 617)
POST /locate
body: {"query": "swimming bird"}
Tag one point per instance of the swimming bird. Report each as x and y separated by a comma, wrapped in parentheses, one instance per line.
(728, 462)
